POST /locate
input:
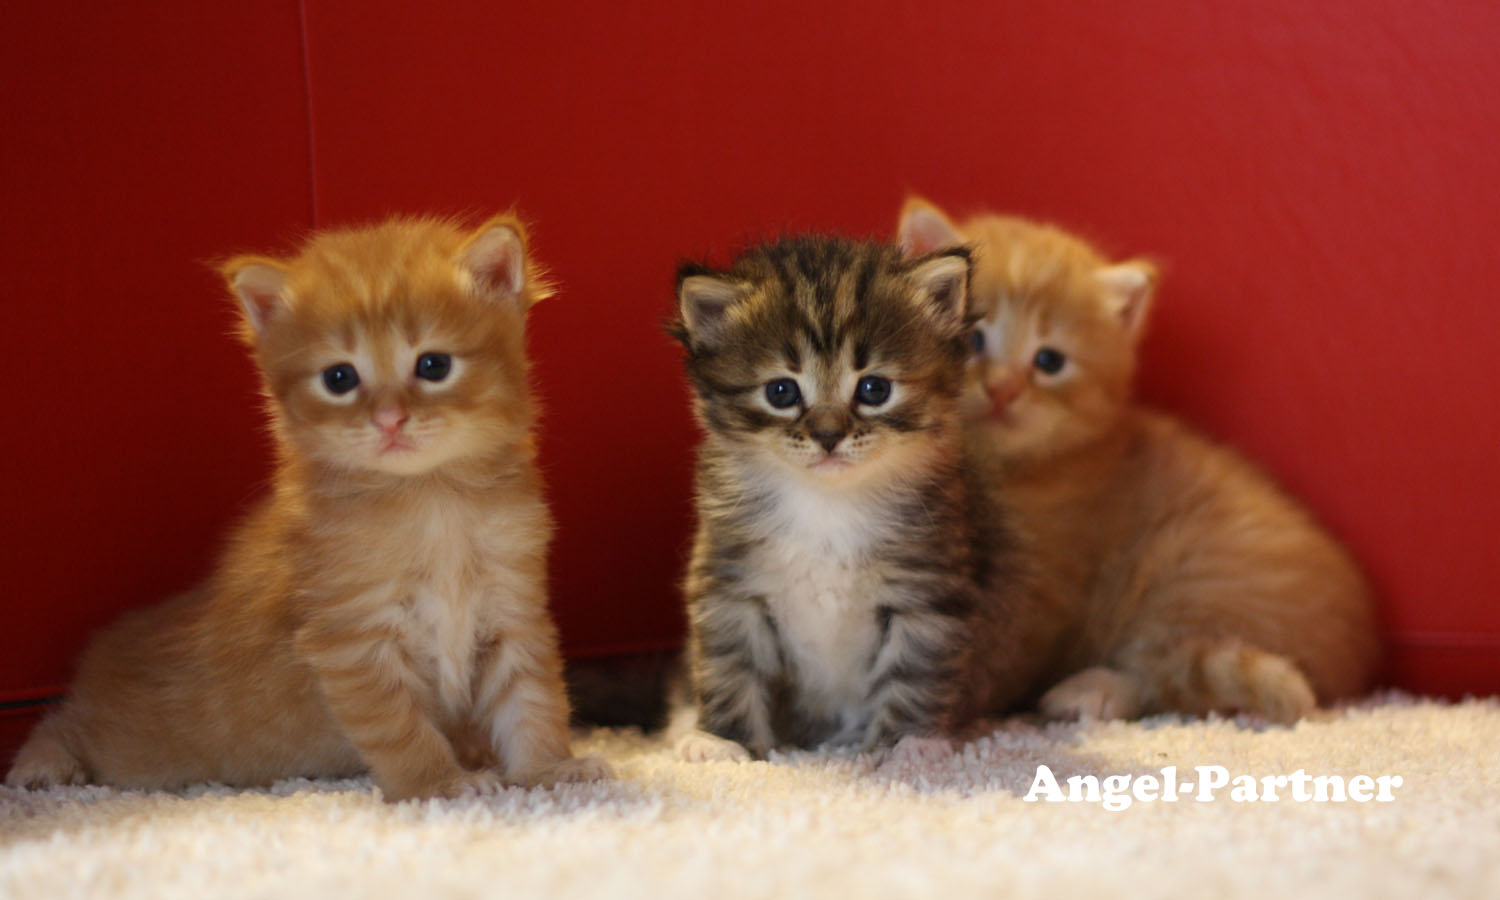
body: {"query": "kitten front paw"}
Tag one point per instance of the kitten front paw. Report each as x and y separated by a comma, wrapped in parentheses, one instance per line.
(1280, 691)
(466, 785)
(568, 771)
(1096, 693)
(918, 750)
(700, 747)
(40, 771)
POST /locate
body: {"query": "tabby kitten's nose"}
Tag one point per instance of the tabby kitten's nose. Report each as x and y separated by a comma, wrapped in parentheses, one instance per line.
(827, 425)
(828, 439)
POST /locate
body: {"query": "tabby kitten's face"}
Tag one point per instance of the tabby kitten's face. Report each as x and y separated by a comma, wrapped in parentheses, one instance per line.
(396, 349)
(829, 361)
(1053, 354)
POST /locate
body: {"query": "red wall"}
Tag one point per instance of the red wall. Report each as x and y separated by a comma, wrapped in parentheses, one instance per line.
(1320, 181)
(140, 141)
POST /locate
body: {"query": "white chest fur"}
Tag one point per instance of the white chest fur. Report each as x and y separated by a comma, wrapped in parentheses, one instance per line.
(468, 569)
(823, 590)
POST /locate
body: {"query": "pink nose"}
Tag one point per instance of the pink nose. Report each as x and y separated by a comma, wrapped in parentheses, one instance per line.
(1003, 392)
(390, 418)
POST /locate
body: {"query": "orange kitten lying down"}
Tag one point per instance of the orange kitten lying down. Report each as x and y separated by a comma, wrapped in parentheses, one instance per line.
(385, 609)
(1179, 577)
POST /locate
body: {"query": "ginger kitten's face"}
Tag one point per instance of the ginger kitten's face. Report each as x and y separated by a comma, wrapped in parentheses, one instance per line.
(826, 360)
(395, 349)
(1053, 354)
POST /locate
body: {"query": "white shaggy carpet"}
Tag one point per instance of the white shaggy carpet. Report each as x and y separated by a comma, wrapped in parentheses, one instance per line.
(823, 825)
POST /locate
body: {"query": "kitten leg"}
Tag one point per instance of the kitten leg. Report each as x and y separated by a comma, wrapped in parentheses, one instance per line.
(521, 697)
(1096, 693)
(378, 701)
(1226, 675)
(44, 761)
(737, 655)
(913, 679)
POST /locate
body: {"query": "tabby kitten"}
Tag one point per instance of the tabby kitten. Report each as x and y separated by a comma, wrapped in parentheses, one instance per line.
(385, 608)
(845, 566)
(1188, 581)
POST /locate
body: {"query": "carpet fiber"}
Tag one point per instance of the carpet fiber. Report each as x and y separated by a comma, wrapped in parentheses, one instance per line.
(825, 824)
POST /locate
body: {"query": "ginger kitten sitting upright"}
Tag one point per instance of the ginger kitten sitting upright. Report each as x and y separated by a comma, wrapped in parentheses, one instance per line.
(385, 609)
(1189, 582)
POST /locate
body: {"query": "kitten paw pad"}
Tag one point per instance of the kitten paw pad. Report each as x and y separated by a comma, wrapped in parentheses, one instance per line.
(700, 747)
(1096, 693)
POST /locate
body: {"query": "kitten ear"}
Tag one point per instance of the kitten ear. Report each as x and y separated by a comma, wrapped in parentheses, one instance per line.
(704, 302)
(1128, 288)
(495, 257)
(943, 282)
(925, 229)
(260, 285)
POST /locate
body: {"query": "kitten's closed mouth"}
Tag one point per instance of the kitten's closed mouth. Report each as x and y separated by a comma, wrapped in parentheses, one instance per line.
(1001, 416)
(831, 464)
(396, 444)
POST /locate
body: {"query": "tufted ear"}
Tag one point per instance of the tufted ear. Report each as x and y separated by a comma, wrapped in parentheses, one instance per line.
(260, 285)
(1128, 290)
(925, 229)
(495, 256)
(703, 302)
(943, 281)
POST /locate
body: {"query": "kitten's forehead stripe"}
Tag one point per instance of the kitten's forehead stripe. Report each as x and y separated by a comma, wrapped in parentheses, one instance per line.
(807, 323)
(862, 354)
(866, 276)
(789, 284)
(383, 349)
(411, 329)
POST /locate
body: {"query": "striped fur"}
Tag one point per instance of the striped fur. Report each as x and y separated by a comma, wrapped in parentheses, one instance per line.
(836, 595)
(385, 609)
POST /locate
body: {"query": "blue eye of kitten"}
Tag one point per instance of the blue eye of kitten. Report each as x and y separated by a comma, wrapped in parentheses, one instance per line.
(1049, 361)
(434, 366)
(782, 393)
(976, 341)
(340, 379)
(873, 390)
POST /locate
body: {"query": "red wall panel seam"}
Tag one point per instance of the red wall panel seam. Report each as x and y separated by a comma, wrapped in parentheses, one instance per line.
(1453, 639)
(307, 97)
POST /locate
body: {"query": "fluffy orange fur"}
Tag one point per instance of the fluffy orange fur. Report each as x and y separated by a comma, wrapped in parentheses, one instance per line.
(1173, 574)
(385, 608)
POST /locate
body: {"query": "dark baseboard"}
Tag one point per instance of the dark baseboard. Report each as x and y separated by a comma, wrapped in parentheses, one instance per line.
(632, 689)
